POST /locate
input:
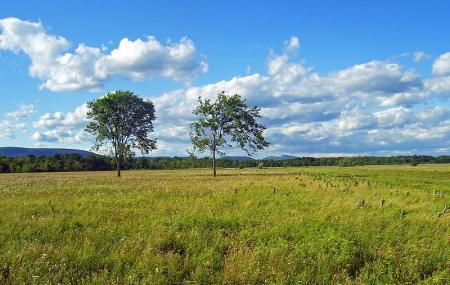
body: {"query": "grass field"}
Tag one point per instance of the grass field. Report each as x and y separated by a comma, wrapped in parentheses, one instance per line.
(360, 225)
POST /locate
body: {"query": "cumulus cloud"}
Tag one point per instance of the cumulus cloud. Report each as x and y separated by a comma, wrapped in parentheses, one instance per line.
(24, 110)
(88, 68)
(142, 59)
(438, 85)
(69, 120)
(62, 136)
(63, 127)
(44, 137)
(8, 128)
(376, 107)
(441, 65)
(280, 66)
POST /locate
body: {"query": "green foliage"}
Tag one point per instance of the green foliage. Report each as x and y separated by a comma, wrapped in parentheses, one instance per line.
(121, 122)
(226, 120)
(261, 165)
(58, 163)
(288, 226)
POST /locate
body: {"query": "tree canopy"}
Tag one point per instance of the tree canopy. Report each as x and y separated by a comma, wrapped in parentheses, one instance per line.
(121, 122)
(226, 120)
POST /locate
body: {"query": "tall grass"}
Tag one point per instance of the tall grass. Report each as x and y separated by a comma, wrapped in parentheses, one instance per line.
(364, 225)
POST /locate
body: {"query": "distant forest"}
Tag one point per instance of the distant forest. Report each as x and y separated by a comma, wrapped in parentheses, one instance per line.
(75, 162)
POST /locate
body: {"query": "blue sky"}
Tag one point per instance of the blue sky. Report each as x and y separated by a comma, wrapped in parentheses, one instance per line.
(331, 77)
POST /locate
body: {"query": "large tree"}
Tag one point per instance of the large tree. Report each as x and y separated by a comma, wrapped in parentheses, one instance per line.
(227, 119)
(121, 123)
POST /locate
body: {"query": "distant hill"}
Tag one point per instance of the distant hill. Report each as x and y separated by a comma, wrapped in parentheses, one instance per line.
(238, 158)
(160, 157)
(281, 157)
(21, 151)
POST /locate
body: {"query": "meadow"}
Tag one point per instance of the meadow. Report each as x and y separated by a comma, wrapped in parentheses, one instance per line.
(311, 225)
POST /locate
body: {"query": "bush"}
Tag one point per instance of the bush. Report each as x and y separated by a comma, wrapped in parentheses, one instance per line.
(261, 165)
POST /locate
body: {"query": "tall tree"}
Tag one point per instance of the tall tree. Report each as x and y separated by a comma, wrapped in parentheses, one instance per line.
(227, 119)
(121, 122)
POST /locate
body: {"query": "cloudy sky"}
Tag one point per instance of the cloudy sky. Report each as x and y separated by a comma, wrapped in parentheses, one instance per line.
(331, 78)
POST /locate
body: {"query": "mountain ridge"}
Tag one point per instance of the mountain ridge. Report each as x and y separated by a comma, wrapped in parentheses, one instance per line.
(280, 157)
(26, 151)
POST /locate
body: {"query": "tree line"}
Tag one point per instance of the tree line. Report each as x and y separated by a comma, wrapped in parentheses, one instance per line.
(75, 162)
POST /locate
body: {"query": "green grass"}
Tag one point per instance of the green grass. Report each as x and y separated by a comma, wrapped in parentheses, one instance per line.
(329, 225)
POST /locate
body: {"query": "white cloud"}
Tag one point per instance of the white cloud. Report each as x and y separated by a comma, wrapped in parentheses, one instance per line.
(67, 128)
(420, 55)
(393, 117)
(23, 111)
(70, 120)
(21, 126)
(280, 66)
(293, 44)
(377, 77)
(31, 38)
(377, 107)
(441, 65)
(75, 71)
(353, 120)
(355, 110)
(438, 85)
(417, 56)
(143, 59)
(7, 128)
(88, 68)
(62, 136)
(44, 137)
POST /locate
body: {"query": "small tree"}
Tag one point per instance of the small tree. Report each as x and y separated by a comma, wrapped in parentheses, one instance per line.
(192, 160)
(228, 118)
(121, 122)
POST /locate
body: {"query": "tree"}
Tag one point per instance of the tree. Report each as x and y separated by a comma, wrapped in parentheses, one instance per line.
(121, 122)
(226, 119)
(192, 160)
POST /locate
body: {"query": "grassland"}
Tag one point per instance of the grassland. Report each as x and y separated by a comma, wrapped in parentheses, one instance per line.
(359, 225)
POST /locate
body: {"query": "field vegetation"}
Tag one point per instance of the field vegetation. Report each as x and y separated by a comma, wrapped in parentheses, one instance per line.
(310, 225)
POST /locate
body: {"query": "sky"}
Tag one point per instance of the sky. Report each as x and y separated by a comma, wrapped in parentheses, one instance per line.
(331, 77)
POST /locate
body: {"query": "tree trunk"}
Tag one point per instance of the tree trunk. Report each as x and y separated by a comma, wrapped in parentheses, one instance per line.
(214, 161)
(118, 166)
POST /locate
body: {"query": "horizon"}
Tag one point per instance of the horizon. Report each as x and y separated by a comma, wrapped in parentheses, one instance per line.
(232, 157)
(332, 79)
